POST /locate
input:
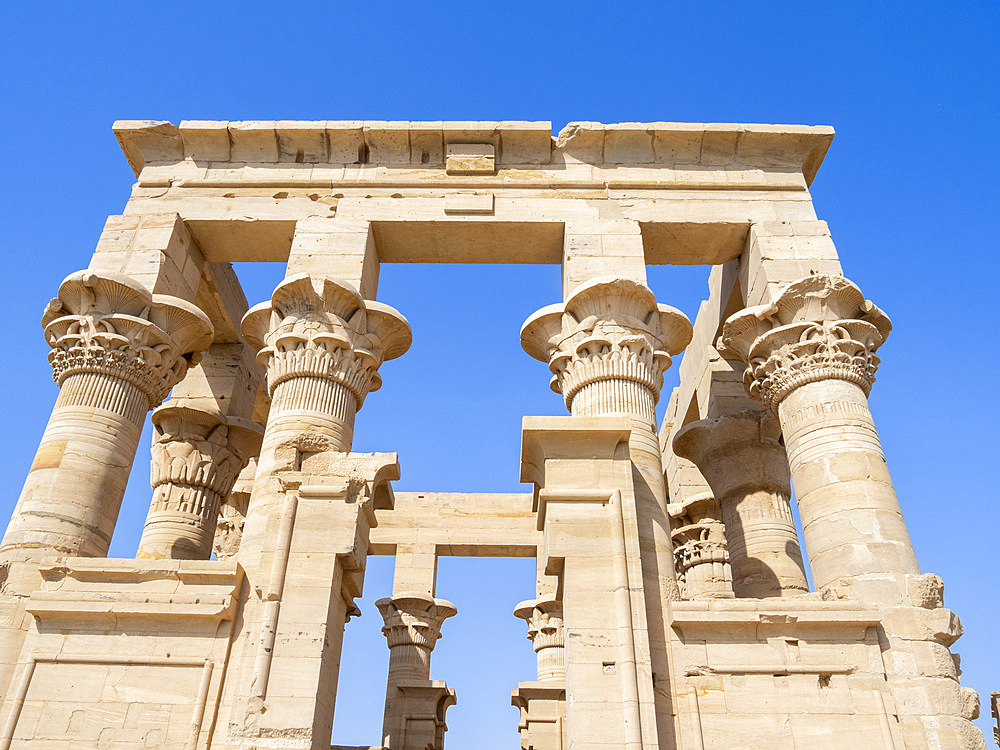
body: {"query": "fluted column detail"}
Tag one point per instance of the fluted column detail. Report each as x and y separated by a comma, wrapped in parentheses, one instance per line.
(811, 360)
(320, 344)
(741, 459)
(197, 456)
(412, 627)
(547, 636)
(607, 347)
(117, 350)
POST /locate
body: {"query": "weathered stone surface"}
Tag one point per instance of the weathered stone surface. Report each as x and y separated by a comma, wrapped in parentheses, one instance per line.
(671, 606)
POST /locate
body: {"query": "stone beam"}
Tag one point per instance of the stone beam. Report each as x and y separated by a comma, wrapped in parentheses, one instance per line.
(459, 524)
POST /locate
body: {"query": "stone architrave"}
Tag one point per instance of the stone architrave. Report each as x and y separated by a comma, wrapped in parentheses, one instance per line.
(117, 350)
(197, 455)
(811, 359)
(413, 623)
(700, 551)
(607, 347)
(741, 459)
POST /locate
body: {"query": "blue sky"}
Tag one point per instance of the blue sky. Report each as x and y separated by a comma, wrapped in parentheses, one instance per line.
(907, 188)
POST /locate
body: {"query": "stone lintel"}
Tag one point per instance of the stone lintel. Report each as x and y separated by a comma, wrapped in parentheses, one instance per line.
(459, 524)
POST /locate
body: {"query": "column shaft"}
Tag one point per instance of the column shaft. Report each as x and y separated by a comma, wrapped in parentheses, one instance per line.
(70, 501)
(742, 461)
(851, 518)
(413, 623)
(321, 345)
(811, 360)
(312, 404)
(608, 346)
(117, 350)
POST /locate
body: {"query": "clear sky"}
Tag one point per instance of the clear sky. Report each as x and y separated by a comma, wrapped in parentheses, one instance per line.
(907, 188)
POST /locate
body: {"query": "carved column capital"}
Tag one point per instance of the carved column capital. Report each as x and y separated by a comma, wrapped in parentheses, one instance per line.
(319, 327)
(201, 448)
(607, 346)
(735, 451)
(818, 328)
(413, 619)
(547, 635)
(701, 553)
(545, 622)
(107, 324)
(196, 457)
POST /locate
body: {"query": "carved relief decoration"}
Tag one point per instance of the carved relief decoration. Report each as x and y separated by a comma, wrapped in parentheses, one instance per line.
(545, 622)
(323, 328)
(197, 456)
(699, 538)
(609, 329)
(818, 328)
(414, 619)
(108, 324)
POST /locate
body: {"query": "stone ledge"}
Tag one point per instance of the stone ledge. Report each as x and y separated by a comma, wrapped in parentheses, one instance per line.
(98, 587)
(722, 613)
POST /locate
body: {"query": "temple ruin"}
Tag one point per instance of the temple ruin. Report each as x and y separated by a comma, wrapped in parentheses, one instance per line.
(677, 605)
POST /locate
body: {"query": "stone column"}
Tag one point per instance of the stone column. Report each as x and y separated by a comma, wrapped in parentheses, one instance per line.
(542, 703)
(811, 360)
(197, 456)
(412, 626)
(117, 350)
(700, 551)
(305, 538)
(547, 636)
(321, 345)
(741, 459)
(608, 346)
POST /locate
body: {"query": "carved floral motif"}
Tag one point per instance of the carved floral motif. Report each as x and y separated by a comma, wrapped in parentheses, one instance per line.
(323, 328)
(818, 328)
(196, 457)
(609, 331)
(545, 622)
(699, 538)
(197, 449)
(106, 323)
(414, 619)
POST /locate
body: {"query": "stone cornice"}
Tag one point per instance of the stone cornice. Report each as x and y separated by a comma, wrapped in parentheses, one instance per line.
(424, 145)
